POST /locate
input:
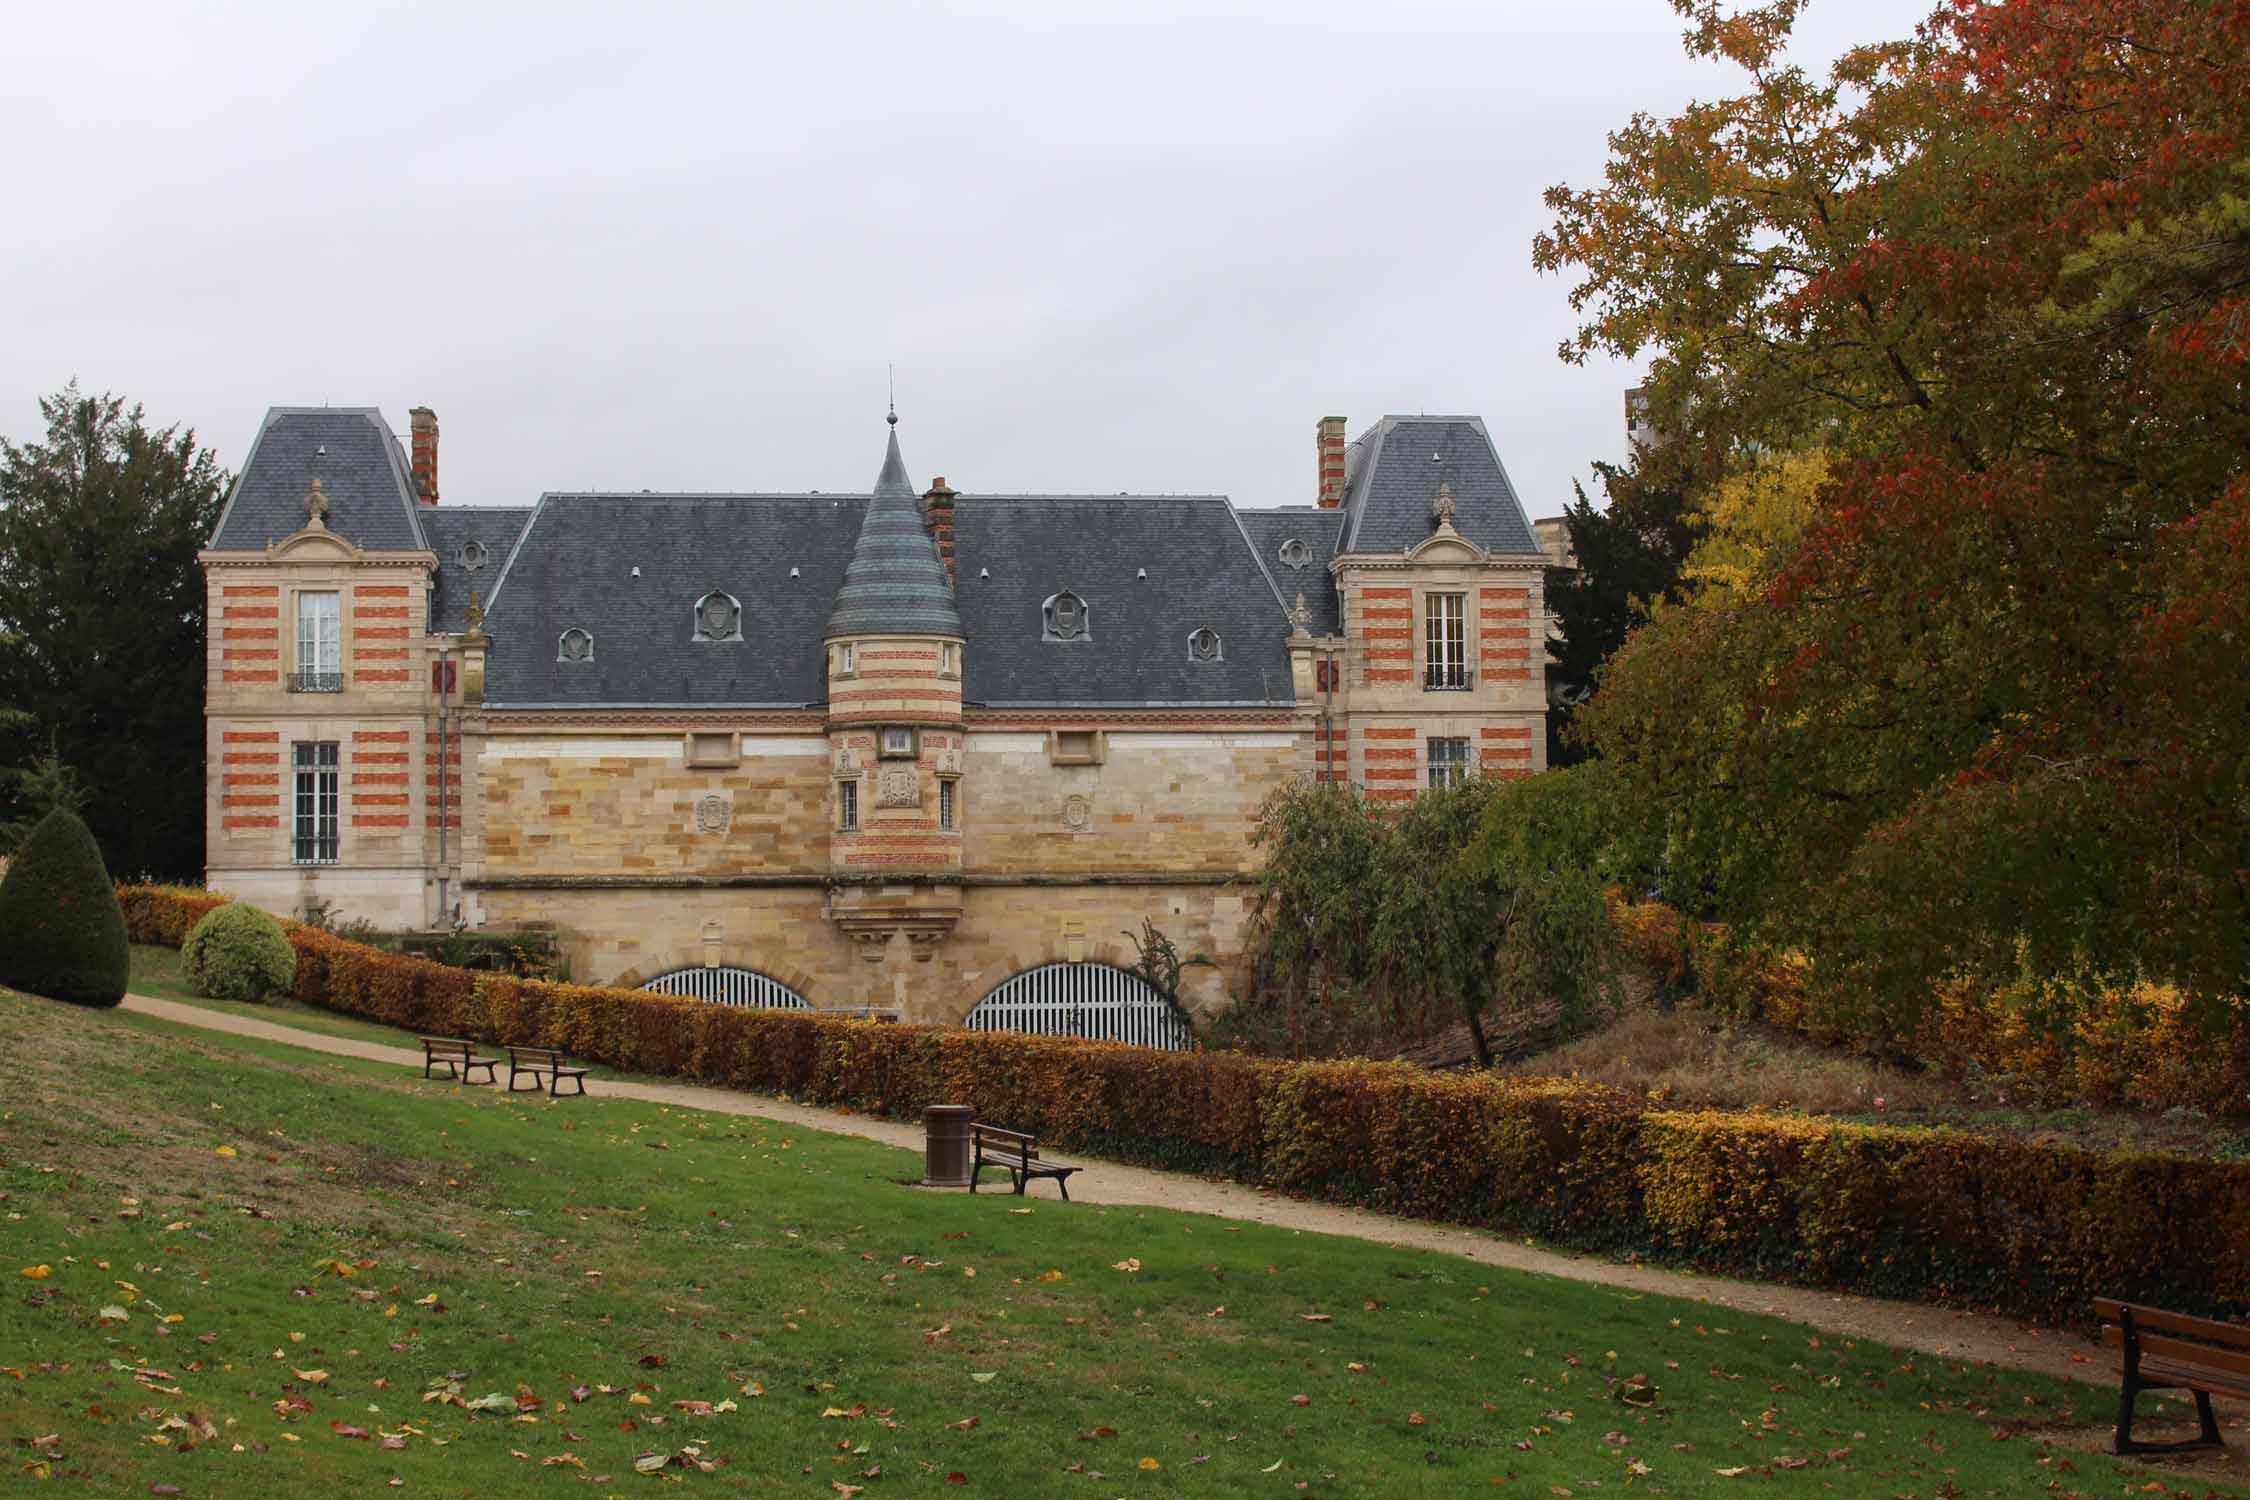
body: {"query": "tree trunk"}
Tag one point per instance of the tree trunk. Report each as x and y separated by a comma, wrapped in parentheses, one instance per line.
(1477, 1040)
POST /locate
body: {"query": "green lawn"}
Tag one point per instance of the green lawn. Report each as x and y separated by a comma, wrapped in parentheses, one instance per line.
(156, 971)
(272, 1273)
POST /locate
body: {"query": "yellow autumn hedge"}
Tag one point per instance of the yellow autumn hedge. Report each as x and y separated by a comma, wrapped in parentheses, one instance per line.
(2031, 1227)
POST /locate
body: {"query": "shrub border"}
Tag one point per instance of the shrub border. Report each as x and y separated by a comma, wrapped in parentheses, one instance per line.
(2025, 1227)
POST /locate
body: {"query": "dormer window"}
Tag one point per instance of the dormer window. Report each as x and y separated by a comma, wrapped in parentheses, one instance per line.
(1203, 645)
(1295, 554)
(575, 645)
(718, 617)
(472, 556)
(1065, 615)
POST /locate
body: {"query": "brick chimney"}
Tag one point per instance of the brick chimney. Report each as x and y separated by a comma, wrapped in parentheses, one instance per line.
(937, 515)
(424, 424)
(1329, 435)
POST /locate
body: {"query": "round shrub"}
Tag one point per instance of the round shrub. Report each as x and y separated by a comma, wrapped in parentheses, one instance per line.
(61, 932)
(237, 952)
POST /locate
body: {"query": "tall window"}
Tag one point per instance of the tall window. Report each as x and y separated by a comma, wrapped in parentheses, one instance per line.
(945, 804)
(847, 805)
(1445, 642)
(1449, 762)
(319, 643)
(315, 765)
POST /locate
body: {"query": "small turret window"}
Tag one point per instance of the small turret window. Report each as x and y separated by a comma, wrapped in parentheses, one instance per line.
(1295, 554)
(1066, 617)
(718, 617)
(1203, 645)
(575, 645)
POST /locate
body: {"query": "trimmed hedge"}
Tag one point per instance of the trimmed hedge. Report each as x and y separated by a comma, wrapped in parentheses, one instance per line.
(61, 933)
(2029, 1227)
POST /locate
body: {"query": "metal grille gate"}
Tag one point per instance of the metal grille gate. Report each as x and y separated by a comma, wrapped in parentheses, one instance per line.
(1088, 1000)
(729, 987)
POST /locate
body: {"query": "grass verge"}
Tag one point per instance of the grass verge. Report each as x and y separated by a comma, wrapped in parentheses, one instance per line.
(270, 1273)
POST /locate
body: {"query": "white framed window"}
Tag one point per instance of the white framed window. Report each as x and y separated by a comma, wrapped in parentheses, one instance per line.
(897, 742)
(949, 660)
(315, 820)
(320, 642)
(1449, 761)
(1445, 642)
(847, 806)
(846, 659)
(945, 796)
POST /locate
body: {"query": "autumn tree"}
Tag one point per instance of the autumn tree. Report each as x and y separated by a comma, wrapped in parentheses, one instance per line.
(101, 621)
(1980, 713)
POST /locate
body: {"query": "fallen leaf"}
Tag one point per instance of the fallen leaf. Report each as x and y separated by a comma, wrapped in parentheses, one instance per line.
(1316, 1317)
(346, 1429)
(1300, 1400)
(956, 1477)
(1129, 1264)
(1732, 1473)
(1150, 1463)
(37, 1273)
(310, 1377)
(1043, 1276)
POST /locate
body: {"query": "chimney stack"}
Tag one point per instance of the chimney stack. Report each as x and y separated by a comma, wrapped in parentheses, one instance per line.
(424, 424)
(1329, 435)
(937, 515)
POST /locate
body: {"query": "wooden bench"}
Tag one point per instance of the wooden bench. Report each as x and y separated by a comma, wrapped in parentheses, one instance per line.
(542, 1062)
(1017, 1153)
(460, 1058)
(2160, 1351)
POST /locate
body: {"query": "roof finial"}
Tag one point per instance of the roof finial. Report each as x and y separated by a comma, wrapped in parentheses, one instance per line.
(473, 616)
(1300, 617)
(893, 417)
(316, 504)
(1442, 511)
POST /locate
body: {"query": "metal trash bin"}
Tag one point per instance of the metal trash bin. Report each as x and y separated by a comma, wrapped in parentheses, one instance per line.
(947, 1147)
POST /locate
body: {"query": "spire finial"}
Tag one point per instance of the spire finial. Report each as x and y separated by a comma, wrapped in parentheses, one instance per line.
(893, 417)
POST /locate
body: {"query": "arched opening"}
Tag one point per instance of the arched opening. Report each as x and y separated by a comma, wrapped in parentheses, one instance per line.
(1085, 1000)
(723, 986)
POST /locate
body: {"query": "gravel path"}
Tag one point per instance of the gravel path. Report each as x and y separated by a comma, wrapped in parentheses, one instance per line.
(1931, 1330)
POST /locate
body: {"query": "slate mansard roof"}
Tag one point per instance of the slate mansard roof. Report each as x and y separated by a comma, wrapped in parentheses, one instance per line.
(486, 534)
(1306, 572)
(781, 557)
(363, 472)
(1012, 553)
(630, 570)
(1391, 477)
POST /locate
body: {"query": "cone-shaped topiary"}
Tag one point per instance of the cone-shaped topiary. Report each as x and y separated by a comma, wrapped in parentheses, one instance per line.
(61, 932)
(237, 952)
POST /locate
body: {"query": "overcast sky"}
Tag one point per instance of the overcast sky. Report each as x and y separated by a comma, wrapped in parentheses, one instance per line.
(1108, 247)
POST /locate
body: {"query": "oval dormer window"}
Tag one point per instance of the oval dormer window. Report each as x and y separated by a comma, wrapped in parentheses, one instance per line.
(472, 556)
(1295, 554)
(1065, 617)
(575, 645)
(718, 617)
(1203, 645)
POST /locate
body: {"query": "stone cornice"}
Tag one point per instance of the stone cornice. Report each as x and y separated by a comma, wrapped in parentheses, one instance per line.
(1398, 562)
(1278, 716)
(834, 882)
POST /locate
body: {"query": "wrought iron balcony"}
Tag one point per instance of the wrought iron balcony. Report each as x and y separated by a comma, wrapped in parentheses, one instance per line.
(316, 682)
(1448, 679)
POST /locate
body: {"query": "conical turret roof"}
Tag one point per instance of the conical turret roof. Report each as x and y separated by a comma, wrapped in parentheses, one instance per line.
(895, 583)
